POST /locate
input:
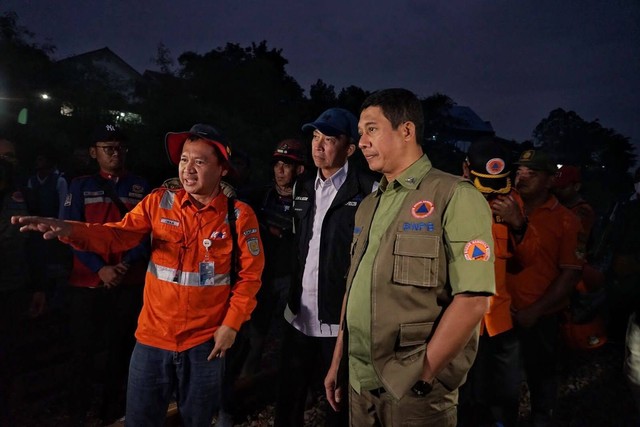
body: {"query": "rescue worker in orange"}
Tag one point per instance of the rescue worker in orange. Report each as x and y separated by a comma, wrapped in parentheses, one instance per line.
(540, 291)
(193, 307)
(583, 327)
(491, 393)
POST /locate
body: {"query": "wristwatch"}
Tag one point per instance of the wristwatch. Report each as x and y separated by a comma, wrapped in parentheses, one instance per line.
(422, 388)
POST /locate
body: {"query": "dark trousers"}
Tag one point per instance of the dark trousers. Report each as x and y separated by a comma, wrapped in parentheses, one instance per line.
(156, 374)
(491, 392)
(305, 360)
(102, 322)
(539, 346)
(13, 316)
(272, 299)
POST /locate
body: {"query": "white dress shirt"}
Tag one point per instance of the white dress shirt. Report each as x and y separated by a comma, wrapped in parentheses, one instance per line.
(306, 321)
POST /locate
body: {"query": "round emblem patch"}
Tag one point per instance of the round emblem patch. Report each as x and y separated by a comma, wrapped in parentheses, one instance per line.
(477, 250)
(422, 209)
(495, 166)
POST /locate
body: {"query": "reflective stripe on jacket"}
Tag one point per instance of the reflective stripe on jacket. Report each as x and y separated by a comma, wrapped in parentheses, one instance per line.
(180, 310)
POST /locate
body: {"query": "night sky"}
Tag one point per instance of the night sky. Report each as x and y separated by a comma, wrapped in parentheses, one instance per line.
(512, 61)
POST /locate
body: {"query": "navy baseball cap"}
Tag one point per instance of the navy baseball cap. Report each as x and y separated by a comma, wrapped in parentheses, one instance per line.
(175, 140)
(107, 133)
(335, 122)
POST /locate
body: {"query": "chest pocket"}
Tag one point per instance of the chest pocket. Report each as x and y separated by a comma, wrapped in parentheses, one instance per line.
(165, 243)
(415, 260)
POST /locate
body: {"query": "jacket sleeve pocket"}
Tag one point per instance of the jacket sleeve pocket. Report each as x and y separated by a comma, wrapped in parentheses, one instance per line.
(415, 260)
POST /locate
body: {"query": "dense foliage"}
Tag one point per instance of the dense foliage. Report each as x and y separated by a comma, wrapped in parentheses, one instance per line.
(247, 92)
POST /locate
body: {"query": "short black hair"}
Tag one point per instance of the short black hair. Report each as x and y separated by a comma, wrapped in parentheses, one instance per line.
(398, 106)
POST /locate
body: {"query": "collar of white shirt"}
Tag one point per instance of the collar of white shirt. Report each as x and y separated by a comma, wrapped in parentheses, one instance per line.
(337, 179)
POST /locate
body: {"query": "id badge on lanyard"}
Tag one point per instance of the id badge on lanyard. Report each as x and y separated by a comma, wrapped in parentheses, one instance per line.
(207, 268)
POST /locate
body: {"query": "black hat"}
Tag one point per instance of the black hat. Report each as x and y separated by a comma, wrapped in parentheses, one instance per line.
(537, 160)
(107, 133)
(490, 166)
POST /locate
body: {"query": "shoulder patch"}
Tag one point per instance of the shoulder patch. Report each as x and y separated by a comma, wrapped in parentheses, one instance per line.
(67, 200)
(253, 245)
(477, 250)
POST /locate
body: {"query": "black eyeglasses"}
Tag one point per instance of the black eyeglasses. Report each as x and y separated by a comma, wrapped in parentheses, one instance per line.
(109, 150)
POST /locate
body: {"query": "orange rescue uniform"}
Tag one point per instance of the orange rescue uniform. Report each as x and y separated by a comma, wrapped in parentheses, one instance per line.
(558, 230)
(179, 311)
(498, 318)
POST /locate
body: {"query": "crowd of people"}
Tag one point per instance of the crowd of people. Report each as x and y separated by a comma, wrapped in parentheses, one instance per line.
(411, 295)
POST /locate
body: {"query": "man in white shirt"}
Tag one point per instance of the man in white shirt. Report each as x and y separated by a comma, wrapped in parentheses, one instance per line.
(324, 207)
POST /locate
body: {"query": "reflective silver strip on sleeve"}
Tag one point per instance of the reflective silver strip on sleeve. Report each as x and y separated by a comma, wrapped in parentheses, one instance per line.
(92, 200)
(184, 278)
(167, 200)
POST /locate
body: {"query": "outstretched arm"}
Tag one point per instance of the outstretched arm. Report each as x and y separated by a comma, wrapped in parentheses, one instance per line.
(50, 228)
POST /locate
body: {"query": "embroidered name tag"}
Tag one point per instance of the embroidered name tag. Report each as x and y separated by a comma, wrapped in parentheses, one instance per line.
(168, 221)
(250, 231)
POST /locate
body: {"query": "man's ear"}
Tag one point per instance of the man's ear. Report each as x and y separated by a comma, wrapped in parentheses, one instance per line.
(92, 152)
(351, 149)
(299, 169)
(466, 172)
(408, 130)
(225, 171)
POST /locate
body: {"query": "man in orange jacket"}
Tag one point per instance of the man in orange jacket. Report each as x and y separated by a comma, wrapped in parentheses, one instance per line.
(200, 284)
(540, 290)
(491, 393)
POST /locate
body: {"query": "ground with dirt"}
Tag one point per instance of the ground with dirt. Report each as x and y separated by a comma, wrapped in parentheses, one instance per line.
(592, 392)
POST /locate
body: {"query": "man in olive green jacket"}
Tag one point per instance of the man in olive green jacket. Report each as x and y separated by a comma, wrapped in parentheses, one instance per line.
(420, 278)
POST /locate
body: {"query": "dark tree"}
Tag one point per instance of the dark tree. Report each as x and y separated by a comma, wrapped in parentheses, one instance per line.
(604, 155)
(163, 59)
(321, 97)
(24, 70)
(351, 98)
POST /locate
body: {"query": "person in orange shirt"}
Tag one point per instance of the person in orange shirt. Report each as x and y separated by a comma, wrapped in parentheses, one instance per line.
(540, 291)
(200, 285)
(490, 394)
(584, 326)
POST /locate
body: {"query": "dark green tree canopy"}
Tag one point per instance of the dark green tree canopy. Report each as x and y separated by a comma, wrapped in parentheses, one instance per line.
(247, 92)
(604, 155)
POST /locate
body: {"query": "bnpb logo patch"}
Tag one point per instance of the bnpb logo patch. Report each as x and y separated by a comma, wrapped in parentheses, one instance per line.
(422, 209)
(495, 166)
(477, 250)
